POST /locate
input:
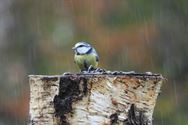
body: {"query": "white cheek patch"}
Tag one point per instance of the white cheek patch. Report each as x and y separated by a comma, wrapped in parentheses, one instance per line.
(83, 50)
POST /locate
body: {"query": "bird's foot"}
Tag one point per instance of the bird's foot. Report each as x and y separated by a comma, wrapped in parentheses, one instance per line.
(91, 68)
(94, 70)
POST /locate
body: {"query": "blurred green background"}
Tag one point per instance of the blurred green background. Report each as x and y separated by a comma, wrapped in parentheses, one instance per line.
(36, 37)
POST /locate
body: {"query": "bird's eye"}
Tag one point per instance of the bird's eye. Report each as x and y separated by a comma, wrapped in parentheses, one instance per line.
(81, 45)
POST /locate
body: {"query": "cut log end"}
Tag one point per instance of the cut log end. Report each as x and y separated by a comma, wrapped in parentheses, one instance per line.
(94, 99)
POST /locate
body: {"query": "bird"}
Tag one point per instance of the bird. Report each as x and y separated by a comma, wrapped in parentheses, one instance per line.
(85, 56)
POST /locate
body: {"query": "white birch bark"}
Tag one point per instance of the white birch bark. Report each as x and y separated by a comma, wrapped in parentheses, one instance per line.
(108, 99)
(42, 92)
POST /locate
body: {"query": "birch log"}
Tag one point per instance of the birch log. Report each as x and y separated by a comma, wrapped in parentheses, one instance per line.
(93, 99)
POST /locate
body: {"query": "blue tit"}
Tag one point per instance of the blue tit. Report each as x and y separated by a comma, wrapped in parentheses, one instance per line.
(85, 56)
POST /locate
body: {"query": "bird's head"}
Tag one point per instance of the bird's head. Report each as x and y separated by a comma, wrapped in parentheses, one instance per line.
(82, 48)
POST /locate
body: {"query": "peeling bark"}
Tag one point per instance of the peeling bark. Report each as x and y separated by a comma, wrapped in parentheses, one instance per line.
(94, 99)
(42, 92)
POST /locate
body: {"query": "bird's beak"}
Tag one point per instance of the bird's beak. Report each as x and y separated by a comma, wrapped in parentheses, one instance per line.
(74, 48)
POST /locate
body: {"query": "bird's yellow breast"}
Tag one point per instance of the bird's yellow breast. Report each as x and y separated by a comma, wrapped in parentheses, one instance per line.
(82, 60)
